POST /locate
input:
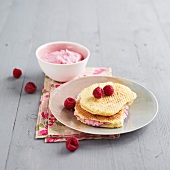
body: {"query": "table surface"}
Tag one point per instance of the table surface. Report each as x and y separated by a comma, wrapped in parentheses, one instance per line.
(132, 37)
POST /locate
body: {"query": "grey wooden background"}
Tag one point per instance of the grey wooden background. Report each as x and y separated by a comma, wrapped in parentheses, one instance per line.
(130, 36)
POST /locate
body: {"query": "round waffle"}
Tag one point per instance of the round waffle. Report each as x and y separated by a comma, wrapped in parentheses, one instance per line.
(85, 117)
(107, 105)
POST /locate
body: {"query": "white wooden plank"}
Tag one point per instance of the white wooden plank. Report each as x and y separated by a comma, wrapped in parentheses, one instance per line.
(5, 8)
(15, 42)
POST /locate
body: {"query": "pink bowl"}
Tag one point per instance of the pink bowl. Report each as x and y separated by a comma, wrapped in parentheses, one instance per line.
(62, 72)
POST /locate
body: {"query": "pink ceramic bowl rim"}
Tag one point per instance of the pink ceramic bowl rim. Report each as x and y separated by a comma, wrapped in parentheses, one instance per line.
(62, 42)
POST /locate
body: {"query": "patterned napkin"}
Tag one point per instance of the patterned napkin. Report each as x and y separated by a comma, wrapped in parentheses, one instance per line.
(49, 127)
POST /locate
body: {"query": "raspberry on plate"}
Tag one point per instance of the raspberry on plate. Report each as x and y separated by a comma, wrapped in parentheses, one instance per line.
(17, 73)
(30, 87)
(108, 90)
(72, 144)
(69, 103)
(98, 92)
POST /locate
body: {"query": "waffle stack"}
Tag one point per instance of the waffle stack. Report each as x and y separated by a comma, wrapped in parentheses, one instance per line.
(108, 111)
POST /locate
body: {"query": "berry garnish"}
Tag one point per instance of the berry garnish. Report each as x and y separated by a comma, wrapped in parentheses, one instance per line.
(72, 144)
(17, 73)
(30, 87)
(69, 103)
(98, 92)
(108, 90)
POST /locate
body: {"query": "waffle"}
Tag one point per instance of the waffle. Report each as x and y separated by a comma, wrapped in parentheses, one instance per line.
(107, 105)
(85, 117)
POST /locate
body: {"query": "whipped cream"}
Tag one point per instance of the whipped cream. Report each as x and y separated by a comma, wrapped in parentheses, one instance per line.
(62, 57)
(90, 122)
(126, 112)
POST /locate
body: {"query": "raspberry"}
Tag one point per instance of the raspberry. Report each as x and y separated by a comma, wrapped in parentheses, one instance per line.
(72, 144)
(69, 103)
(108, 90)
(17, 73)
(30, 87)
(98, 92)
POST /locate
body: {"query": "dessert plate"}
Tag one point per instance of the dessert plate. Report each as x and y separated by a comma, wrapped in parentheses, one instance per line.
(141, 112)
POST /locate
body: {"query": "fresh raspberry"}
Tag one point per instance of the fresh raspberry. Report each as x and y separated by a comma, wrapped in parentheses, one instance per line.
(17, 73)
(69, 103)
(72, 144)
(30, 87)
(98, 92)
(108, 90)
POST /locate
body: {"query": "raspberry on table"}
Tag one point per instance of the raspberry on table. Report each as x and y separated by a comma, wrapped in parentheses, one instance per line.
(17, 73)
(30, 87)
(72, 144)
(108, 90)
(98, 92)
(69, 103)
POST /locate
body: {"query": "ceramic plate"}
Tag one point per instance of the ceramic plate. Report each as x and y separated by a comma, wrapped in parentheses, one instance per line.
(141, 112)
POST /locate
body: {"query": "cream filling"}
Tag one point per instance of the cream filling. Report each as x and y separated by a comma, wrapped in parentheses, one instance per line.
(98, 123)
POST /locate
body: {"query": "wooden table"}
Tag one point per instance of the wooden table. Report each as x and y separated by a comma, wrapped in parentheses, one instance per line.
(132, 37)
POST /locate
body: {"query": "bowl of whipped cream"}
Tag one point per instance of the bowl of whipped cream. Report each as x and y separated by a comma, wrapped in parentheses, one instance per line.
(62, 61)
